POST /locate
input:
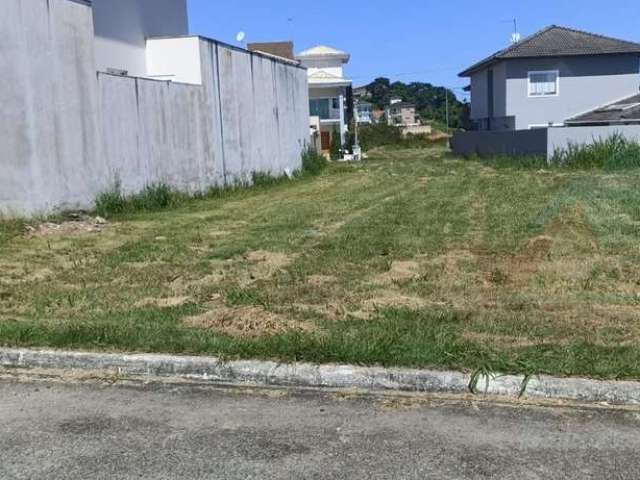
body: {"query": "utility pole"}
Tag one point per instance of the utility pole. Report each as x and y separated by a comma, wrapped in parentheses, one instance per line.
(357, 151)
(446, 103)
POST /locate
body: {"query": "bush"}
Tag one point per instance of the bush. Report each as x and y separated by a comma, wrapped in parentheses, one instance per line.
(336, 147)
(385, 135)
(379, 135)
(613, 153)
(313, 163)
(153, 197)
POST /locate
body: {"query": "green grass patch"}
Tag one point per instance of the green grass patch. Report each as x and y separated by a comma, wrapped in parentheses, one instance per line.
(412, 258)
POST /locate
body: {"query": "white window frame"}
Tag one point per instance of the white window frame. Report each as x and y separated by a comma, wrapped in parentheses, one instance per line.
(538, 72)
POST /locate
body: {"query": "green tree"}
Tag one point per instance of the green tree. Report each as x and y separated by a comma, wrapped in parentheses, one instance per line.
(430, 100)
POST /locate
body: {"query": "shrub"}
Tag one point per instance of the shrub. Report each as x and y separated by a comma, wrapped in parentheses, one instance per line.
(313, 163)
(111, 201)
(384, 135)
(379, 135)
(153, 197)
(336, 147)
(615, 152)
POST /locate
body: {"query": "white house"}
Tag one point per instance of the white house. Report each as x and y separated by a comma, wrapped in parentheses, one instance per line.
(122, 28)
(328, 90)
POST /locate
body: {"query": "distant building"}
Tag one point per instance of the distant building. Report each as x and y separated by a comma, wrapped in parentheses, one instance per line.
(361, 93)
(277, 49)
(364, 112)
(401, 114)
(328, 91)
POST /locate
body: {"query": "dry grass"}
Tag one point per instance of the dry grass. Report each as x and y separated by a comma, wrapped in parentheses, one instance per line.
(411, 259)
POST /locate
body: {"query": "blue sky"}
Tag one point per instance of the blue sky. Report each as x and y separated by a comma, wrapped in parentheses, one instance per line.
(413, 40)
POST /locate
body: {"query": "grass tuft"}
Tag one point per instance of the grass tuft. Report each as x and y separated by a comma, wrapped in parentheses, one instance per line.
(613, 153)
(313, 163)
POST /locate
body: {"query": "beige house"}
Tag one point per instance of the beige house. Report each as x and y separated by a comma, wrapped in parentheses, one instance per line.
(327, 91)
(403, 115)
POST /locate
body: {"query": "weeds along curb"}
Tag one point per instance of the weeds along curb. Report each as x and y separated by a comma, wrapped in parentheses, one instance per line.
(247, 372)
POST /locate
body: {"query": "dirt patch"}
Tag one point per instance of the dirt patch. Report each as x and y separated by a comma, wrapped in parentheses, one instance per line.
(453, 263)
(539, 247)
(263, 265)
(169, 302)
(320, 280)
(572, 230)
(246, 322)
(391, 298)
(74, 227)
(400, 272)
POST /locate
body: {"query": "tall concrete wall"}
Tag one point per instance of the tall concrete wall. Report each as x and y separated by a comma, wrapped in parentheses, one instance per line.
(72, 132)
(48, 105)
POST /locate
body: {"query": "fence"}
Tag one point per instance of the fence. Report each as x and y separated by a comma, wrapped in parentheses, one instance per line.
(535, 142)
(67, 132)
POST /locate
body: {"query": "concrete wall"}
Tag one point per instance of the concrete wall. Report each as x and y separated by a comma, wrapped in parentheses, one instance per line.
(544, 141)
(122, 27)
(68, 133)
(585, 83)
(49, 105)
(523, 142)
(560, 138)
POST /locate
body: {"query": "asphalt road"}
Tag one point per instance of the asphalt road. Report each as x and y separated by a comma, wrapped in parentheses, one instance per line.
(80, 431)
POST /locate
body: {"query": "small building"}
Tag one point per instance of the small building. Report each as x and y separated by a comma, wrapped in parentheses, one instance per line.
(401, 114)
(364, 112)
(329, 91)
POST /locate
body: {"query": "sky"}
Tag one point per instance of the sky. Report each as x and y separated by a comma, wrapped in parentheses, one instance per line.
(410, 40)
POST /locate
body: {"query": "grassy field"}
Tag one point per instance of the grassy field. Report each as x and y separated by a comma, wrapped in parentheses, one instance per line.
(413, 258)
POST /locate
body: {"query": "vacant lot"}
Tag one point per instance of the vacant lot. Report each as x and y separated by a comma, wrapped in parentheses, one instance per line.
(412, 259)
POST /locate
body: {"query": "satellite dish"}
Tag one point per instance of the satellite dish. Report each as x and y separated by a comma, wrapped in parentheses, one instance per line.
(240, 37)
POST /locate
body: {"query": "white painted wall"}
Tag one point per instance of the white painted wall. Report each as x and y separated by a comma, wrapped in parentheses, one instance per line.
(49, 106)
(122, 27)
(560, 138)
(175, 59)
(67, 134)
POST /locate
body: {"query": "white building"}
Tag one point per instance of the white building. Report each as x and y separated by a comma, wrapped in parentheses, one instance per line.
(327, 91)
(122, 28)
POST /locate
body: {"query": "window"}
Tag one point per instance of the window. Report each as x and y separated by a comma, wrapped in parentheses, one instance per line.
(544, 84)
(336, 103)
(319, 108)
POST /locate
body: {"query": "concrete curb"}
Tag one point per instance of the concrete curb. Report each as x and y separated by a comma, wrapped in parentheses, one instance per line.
(248, 372)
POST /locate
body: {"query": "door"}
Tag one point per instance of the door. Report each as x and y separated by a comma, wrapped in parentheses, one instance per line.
(325, 140)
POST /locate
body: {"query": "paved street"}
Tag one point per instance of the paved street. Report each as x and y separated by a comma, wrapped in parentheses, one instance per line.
(57, 431)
